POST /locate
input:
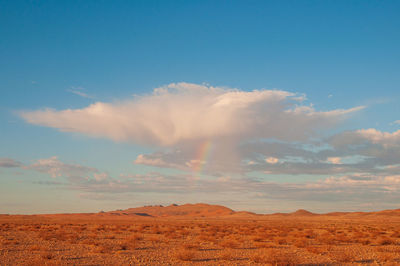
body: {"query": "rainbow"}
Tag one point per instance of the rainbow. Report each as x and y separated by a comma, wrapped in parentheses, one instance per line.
(202, 155)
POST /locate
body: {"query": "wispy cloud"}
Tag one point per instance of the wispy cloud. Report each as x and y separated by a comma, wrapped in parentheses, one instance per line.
(9, 163)
(80, 92)
(55, 168)
(357, 187)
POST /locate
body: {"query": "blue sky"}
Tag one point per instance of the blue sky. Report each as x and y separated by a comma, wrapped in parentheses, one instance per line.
(69, 54)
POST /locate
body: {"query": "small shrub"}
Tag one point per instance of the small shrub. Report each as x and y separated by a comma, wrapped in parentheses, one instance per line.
(385, 241)
(47, 255)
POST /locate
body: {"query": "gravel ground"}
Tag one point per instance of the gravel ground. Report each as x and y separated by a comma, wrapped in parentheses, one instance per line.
(26, 240)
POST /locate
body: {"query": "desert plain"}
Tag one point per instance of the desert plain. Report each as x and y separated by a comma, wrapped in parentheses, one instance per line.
(200, 234)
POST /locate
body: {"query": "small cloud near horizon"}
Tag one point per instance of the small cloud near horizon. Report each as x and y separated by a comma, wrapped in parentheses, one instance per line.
(9, 163)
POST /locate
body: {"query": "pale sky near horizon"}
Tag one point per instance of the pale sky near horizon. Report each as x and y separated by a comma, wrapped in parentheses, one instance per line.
(262, 106)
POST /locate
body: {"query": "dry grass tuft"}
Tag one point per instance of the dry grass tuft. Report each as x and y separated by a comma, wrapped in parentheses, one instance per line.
(191, 245)
(47, 255)
(385, 241)
(39, 241)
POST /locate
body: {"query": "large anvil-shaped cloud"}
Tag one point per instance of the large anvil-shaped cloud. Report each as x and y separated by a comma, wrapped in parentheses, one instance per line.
(182, 112)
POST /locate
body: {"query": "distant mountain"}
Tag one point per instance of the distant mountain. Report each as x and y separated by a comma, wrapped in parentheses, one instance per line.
(202, 210)
(387, 213)
(189, 210)
(207, 210)
(302, 212)
(299, 213)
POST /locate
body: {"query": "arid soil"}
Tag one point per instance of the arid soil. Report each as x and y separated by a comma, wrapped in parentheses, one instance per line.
(200, 234)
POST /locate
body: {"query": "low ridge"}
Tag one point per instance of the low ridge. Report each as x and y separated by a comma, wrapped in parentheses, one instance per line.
(208, 210)
(302, 212)
(190, 210)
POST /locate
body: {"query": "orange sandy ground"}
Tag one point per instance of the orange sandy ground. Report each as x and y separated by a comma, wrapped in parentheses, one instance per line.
(80, 240)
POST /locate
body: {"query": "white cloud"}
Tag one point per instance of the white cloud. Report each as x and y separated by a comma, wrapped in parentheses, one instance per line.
(222, 131)
(376, 136)
(181, 112)
(205, 127)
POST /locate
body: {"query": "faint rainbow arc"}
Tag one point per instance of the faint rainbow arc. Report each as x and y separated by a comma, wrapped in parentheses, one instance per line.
(202, 155)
